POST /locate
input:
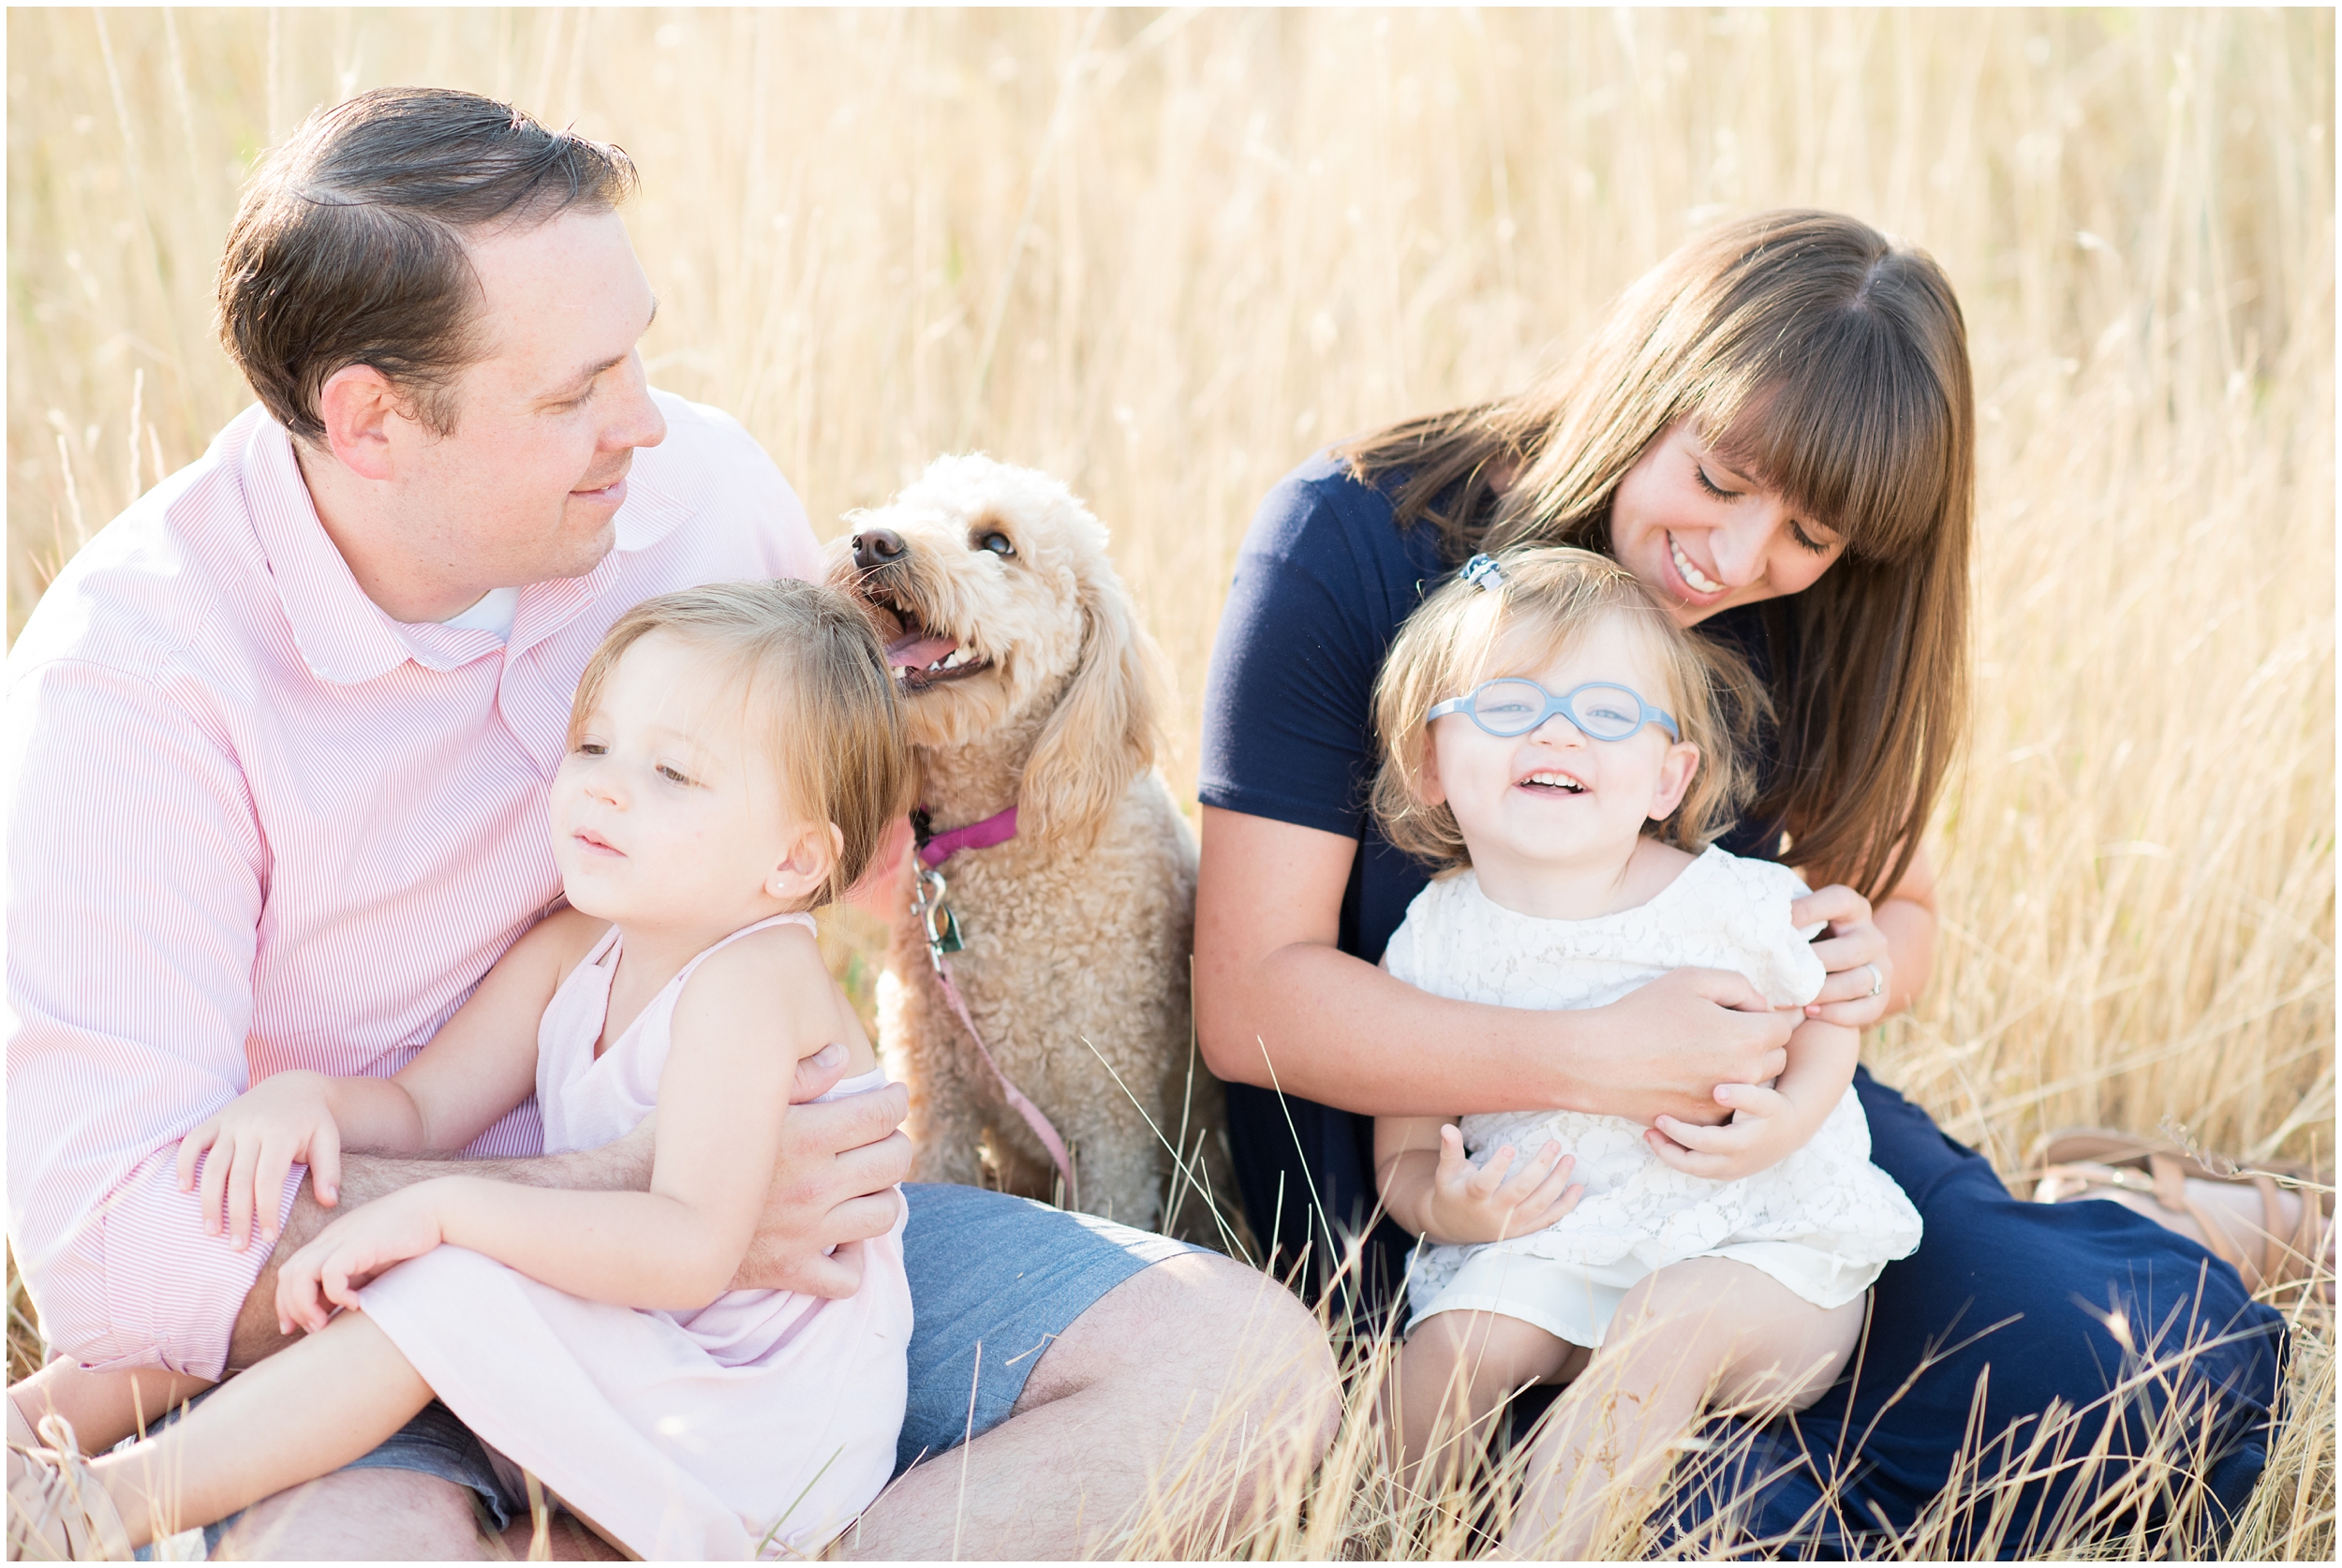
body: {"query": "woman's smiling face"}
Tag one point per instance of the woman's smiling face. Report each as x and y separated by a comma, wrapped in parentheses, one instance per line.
(1705, 536)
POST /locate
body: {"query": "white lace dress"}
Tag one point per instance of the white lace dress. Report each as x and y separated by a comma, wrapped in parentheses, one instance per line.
(1823, 1222)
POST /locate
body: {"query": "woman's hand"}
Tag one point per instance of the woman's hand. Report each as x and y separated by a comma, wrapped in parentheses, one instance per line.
(1861, 984)
(1880, 957)
(330, 1271)
(1681, 1036)
(1494, 1202)
(253, 1142)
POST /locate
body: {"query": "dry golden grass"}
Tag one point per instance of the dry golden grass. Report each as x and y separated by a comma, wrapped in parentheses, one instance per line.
(1165, 255)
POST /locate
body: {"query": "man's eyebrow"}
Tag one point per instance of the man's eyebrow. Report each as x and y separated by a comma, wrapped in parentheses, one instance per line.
(585, 377)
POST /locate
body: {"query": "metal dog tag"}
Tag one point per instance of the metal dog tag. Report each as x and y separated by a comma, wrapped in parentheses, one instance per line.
(935, 916)
(949, 940)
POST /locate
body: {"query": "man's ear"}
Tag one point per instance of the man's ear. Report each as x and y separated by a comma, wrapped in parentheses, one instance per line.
(811, 860)
(1675, 779)
(358, 405)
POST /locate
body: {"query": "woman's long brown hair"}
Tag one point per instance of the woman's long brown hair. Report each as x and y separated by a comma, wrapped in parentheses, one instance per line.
(1833, 365)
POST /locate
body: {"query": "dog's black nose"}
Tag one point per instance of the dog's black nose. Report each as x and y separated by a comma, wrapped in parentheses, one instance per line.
(876, 548)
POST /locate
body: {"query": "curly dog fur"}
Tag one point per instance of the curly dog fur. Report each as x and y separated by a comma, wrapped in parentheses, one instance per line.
(1029, 682)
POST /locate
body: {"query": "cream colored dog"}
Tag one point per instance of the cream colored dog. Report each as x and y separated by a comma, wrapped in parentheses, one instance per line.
(1032, 686)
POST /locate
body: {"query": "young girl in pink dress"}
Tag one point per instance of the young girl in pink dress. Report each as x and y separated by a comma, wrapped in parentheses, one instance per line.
(734, 760)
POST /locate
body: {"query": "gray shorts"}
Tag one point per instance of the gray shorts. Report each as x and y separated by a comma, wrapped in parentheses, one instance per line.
(994, 1280)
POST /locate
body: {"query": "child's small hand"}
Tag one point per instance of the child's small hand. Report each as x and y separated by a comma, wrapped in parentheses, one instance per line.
(330, 1271)
(1494, 1202)
(1762, 1133)
(253, 1142)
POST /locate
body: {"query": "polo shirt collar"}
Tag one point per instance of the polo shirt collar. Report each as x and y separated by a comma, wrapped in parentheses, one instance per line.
(344, 637)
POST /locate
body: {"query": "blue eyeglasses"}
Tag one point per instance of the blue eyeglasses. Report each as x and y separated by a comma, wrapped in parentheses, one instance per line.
(1511, 705)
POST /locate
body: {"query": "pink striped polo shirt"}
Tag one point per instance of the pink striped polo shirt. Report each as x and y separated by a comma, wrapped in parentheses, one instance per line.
(256, 824)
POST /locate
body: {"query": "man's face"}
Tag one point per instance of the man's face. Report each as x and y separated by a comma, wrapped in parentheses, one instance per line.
(526, 486)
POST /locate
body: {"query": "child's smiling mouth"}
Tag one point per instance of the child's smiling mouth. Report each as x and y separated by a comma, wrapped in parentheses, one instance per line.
(1549, 781)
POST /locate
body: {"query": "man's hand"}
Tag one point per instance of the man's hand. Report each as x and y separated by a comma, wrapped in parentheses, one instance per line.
(833, 1187)
(1668, 1044)
(254, 1140)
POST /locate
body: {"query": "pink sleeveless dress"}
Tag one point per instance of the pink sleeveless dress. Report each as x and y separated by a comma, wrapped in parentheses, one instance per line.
(759, 1425)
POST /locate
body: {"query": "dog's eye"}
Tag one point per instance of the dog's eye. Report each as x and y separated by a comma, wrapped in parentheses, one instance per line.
(997, 543)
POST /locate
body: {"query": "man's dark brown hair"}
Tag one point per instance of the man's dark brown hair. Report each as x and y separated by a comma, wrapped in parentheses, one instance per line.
(348, 247)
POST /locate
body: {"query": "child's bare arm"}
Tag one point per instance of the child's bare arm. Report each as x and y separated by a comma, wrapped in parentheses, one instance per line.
(1433, 1190)
(481, 1064)
(484, 1060)
(1768, 1124)
(742, 1023)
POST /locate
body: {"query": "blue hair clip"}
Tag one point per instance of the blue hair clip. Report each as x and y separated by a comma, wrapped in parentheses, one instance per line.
(1481, 572)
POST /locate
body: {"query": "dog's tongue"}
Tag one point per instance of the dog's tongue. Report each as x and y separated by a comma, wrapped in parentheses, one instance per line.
(916, 651)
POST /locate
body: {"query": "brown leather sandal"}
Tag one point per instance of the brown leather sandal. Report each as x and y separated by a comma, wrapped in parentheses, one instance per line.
(2074, 1160)
(57, 1510)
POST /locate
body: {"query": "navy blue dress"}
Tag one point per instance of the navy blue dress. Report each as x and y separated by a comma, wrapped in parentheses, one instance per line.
(2007, 1309)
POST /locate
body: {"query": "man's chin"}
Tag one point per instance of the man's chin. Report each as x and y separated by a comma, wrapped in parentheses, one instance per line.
(590, 550)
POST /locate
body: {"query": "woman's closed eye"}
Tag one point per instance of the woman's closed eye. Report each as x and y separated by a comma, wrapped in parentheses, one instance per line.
(1805, 540)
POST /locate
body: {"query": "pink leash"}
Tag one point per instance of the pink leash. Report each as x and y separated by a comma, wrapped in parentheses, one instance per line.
(943, 933)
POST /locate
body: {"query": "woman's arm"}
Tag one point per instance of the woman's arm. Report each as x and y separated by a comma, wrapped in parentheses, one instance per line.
(1279, 1005)
(1898, 935)
(744, 1021)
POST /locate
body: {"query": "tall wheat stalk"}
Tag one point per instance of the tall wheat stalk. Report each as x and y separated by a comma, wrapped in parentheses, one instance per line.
(1167, 255)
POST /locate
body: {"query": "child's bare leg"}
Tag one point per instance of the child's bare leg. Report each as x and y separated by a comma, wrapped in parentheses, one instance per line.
(103, 1407)
(1449, 1379)
(303, 1413)
(1703, 1332)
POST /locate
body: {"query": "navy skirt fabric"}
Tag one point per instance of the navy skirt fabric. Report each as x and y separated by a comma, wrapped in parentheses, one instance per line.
(2009, 1314)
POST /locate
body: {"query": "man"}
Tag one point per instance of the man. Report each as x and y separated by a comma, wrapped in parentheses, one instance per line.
(278, 744)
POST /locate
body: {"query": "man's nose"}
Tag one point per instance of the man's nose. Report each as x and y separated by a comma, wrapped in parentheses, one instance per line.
(876, 547)
(639, 423)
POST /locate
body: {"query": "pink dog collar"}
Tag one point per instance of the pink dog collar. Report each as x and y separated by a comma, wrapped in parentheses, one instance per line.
(937, 848)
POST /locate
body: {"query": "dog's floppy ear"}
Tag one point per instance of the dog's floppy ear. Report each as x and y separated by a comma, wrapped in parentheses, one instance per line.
(1103, 734)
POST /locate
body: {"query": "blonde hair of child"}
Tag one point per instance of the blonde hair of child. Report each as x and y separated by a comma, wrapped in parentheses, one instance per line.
(811, 674)
(1546, 599)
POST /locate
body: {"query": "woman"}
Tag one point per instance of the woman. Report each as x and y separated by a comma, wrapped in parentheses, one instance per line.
(1773, 430)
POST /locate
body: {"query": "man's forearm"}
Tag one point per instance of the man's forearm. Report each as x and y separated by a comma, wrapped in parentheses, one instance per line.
(621, 1166)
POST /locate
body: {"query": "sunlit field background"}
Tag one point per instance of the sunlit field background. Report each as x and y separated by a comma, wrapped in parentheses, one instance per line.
(1167, 255)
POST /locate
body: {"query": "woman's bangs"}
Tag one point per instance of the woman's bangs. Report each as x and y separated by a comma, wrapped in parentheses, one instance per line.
(1852, 438)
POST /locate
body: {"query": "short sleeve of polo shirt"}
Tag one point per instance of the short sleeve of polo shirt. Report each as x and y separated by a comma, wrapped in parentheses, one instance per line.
(1322, 582)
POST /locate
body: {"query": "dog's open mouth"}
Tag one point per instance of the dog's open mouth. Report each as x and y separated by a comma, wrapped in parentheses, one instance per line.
(920, 658)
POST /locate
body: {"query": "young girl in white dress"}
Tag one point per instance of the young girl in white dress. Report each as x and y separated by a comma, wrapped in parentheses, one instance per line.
(734, 760)
(1562, 748)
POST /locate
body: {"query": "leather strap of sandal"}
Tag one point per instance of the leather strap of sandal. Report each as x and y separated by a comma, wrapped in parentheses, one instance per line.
(58, 1492)
(2279, 1259)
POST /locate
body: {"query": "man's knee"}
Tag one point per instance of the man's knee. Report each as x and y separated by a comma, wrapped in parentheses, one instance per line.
(1199, 1323)
(355, 1516)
